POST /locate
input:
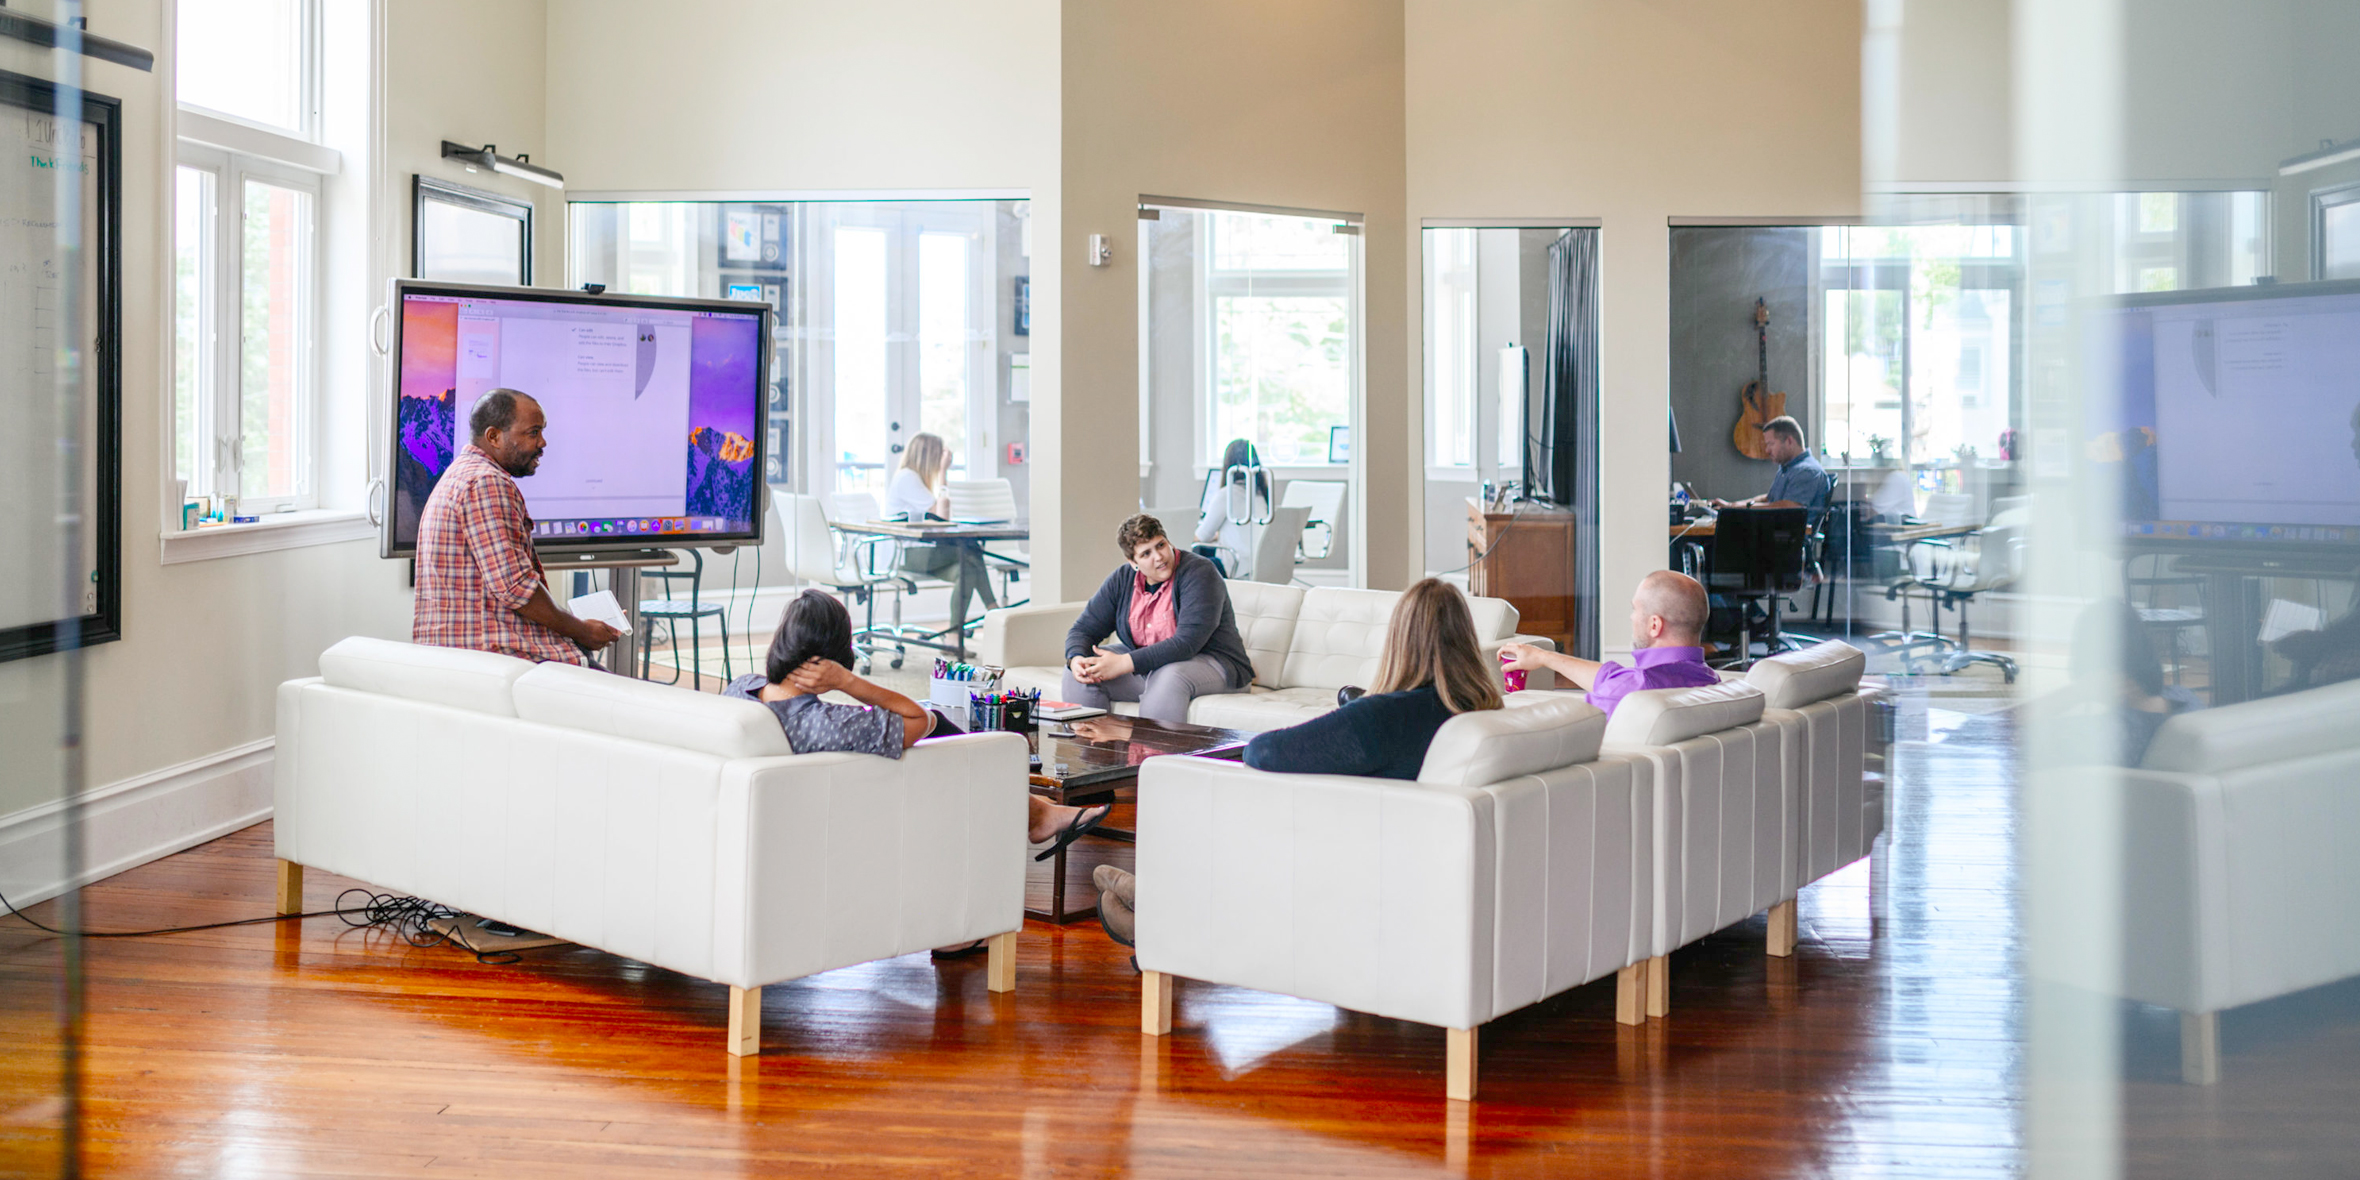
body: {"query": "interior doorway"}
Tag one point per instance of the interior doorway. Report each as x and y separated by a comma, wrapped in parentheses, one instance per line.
(1250, 376)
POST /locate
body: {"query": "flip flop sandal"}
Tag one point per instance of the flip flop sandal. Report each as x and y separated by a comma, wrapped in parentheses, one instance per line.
(1082, 825)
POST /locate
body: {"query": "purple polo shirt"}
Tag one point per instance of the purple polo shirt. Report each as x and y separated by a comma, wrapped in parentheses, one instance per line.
(1655, 667)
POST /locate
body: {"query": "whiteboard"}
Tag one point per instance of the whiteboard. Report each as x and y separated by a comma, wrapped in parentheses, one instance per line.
(54, 174)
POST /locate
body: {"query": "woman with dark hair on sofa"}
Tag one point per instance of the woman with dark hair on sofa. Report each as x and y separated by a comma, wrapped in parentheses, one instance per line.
(811, 654)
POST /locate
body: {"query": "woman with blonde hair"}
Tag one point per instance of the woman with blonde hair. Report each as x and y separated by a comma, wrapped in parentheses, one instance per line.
(921, 491)
(1432, 670)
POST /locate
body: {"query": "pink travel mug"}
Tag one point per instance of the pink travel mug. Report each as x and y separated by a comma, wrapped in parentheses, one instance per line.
(1514, 676)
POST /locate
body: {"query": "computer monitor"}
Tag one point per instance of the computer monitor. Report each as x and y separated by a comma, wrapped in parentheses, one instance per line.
(2235, 415)
(654, 407)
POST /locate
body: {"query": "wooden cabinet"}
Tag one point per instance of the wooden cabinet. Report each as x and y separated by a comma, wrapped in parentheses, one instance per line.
(1526, 557)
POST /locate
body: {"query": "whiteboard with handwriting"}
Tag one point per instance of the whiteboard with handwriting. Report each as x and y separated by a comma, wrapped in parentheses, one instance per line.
(49, 205)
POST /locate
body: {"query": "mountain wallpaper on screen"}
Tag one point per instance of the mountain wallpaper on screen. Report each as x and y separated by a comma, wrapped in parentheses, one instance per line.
(720, 473)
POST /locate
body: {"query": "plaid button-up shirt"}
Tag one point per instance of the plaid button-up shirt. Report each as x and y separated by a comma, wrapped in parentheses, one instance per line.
(476, 565)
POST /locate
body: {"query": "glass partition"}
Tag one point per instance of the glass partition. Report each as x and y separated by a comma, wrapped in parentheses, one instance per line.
(895, 317)
(1250, 368)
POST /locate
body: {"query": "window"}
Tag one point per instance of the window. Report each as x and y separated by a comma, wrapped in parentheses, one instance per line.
(1919, 328)
(1450, 347)
(890, 319)
(245, 255)
(1278, 336)
(251, 60)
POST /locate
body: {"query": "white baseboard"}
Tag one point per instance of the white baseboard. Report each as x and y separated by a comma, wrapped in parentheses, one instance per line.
(129, 823)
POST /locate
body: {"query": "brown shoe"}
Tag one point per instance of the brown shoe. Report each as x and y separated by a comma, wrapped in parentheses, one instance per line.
(1116, 917)
(1110, 879)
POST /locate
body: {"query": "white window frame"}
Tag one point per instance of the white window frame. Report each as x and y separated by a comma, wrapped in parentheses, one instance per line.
(308, 12)
(1459, 285)
(1213, 284)
(220, 453)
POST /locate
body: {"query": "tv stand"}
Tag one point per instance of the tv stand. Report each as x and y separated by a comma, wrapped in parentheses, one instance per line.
(623, 655)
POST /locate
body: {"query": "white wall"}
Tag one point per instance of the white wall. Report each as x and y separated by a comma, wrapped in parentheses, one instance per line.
(1294, 103)
(177, 708)
(1634, 114)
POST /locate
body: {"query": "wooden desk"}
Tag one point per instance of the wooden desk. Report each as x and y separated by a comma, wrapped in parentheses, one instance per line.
(1526, 557)
(1695, 530)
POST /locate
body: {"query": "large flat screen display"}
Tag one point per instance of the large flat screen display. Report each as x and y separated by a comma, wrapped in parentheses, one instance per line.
(2238, 415)
(653, 407)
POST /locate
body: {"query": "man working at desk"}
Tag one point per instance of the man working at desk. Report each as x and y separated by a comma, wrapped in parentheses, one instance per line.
(480, 584)
(1667, 646)
(1800, 483)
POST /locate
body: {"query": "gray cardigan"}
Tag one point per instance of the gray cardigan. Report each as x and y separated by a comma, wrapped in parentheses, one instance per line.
(1208, 625)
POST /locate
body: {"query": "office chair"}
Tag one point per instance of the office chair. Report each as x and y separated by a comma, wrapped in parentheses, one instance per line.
(1952, 572)
(815, 558)
(992, 500)
(1759, 555)
(1325, 499)
(672, 612)
(1274, 549)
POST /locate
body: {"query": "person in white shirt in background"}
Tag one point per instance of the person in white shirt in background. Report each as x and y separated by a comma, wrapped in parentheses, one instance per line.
(921, 491)
(1218, 535)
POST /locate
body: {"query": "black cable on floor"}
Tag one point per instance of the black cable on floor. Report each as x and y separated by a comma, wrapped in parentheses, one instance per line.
(408, 917)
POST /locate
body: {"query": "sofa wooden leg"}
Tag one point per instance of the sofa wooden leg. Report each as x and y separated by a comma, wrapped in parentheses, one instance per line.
(1783, 929)
(1659, 986)
(2200, 1048)
(1155, 1003)
(290, 887)
(1000, 962)
(1459, 1073)
(745, 1021)
(1630, 994)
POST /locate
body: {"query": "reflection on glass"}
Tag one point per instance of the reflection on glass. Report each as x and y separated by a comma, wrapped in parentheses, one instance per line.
(861, 435)
(1450, 346)
(273, 350)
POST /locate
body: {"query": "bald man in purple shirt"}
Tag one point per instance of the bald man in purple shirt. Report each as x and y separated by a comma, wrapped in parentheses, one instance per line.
(1667, 641)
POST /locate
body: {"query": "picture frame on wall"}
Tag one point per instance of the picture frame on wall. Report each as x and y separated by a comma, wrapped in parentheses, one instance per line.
(1023, 326)
(467, 235)
(60, 368)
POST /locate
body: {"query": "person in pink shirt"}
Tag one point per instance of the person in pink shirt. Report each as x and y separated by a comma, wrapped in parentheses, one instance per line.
(1667, 642)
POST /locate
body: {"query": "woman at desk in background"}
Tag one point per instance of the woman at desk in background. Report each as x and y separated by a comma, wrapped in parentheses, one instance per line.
(1240, 488)
(921, 491)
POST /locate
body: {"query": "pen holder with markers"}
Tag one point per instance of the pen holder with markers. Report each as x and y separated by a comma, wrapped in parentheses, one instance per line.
(1010, 711)
(952, 685)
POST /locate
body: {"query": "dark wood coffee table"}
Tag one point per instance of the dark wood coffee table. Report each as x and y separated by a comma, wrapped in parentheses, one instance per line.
(1084, 762)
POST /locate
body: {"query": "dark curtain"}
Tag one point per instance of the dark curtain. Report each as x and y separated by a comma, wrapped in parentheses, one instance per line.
(1561, 453)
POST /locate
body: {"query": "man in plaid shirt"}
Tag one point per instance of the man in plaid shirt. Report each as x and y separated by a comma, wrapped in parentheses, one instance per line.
(480, 584)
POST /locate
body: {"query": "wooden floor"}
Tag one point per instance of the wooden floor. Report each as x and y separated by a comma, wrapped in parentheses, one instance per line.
(327, 1051)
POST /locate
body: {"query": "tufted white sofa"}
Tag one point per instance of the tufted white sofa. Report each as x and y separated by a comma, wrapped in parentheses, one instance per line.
(2238, 879)
(1515, 867)
(1758, 791)
(1305, 644)
(666, 825)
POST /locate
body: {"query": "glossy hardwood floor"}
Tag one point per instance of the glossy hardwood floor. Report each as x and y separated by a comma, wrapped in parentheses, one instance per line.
(1881, 1049)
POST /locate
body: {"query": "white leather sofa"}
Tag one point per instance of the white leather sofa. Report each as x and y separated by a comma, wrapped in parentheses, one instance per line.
(2239, 882)
(1305, 644)
(669, 826)
(1712, 773)
(1516, 866)
(1759, 791)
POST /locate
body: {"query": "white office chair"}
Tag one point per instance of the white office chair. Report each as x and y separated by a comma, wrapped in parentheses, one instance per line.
(1325, 499)
(1274, 550)
(813, 556)
(992, 500)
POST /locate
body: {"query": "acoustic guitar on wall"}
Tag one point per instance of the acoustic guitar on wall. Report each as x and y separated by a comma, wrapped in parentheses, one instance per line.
(1756, 404)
